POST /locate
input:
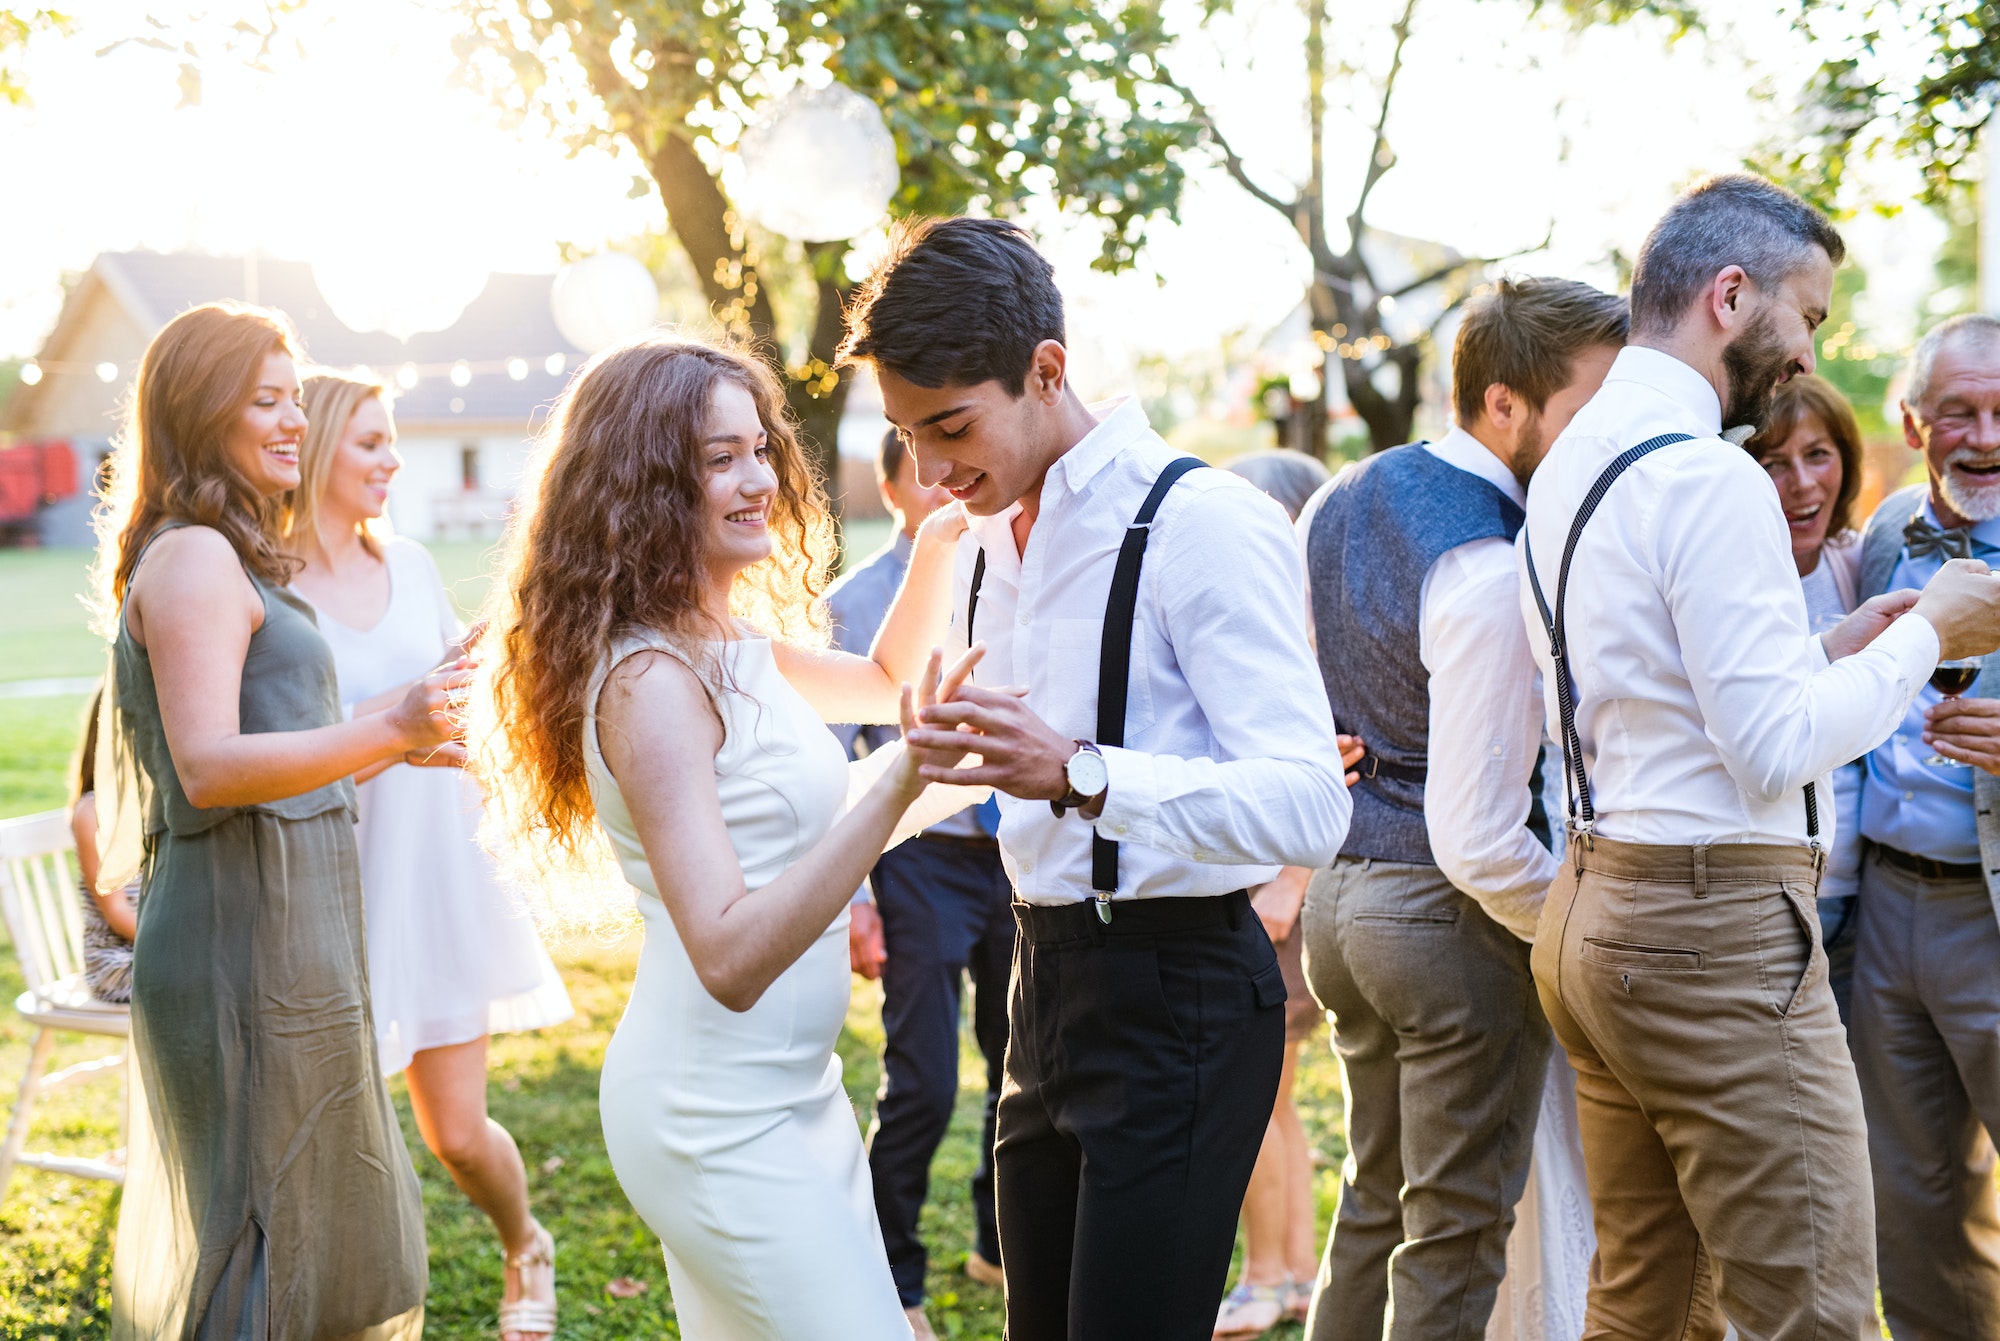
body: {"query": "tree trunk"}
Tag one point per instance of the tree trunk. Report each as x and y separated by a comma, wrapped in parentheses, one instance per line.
(1390, 419)
(703, 222)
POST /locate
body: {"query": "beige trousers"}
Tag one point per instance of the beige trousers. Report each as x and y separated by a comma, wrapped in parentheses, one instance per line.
(1721, 1121)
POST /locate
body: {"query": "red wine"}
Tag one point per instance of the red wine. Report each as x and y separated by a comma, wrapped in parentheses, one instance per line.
(1953, 680)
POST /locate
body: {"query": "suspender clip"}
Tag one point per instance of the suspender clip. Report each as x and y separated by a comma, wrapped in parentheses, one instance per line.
(1103, 897)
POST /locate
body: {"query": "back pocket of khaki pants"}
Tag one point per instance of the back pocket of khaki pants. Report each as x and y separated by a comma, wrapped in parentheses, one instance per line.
(1644, 958)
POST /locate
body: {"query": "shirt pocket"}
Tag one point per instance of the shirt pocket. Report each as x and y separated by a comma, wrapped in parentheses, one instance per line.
(1075, 648)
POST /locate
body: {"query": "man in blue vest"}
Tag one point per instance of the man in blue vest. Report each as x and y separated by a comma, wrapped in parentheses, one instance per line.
(1417, 938)
(941, 913)
(1926, 993)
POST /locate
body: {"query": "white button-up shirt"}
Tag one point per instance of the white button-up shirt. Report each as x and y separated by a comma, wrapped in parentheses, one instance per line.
(1486, 710)
(1230, 767)
(1704, 705)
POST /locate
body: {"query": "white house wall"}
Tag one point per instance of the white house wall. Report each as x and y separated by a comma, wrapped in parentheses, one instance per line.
(428, 499)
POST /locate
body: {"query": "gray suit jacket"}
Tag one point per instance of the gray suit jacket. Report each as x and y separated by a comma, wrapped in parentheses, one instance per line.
(1881, 550)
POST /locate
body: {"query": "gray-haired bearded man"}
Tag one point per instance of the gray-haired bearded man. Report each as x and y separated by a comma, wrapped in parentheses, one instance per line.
(1678, 954)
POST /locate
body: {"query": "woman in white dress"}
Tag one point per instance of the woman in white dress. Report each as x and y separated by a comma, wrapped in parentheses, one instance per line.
(629, 689)
(451, 958)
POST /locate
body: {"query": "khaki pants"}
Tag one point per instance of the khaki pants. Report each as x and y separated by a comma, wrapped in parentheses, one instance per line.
(1443, 1051)
(1927, 1046)
(1721, 1121)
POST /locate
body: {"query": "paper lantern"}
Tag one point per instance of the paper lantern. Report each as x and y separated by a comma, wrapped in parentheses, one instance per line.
(820, 165)
(400, 291)
(601, 300)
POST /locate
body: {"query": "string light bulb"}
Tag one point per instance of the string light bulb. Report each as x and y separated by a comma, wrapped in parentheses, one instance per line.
(31, 374)
(517, 369)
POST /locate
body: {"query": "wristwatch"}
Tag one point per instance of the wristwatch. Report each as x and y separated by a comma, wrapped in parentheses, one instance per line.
(1087, 776)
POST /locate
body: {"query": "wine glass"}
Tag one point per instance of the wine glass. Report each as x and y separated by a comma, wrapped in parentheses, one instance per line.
(1952, 678)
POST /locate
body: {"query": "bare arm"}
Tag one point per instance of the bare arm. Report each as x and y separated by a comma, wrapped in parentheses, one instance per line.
(194, 611)
(660, 736)
(917, 622)
(115, 908)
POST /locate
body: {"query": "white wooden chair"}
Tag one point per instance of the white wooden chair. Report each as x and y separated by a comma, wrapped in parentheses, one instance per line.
(38, 899)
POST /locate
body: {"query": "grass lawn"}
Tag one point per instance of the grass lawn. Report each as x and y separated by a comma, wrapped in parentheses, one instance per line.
(56, 1236)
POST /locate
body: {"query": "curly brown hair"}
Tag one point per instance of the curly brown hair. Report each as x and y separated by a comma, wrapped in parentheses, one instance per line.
(614, 534)
(168, 463)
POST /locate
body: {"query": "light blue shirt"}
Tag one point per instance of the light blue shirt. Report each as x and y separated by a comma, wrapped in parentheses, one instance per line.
(1906, 803)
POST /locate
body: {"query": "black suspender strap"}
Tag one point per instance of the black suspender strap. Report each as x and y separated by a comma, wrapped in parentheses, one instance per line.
(1114, 663)
(1576, 782)
(972, 600)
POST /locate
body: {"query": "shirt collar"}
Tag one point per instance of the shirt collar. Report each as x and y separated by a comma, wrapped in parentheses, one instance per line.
(1667, 375)
(1120, 423)
(1461, 449)
(903, 544)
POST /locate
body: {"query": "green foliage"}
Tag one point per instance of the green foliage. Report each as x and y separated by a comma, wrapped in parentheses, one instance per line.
(1915, 78)
(989, 100)
(18, 23)
(1851, 360)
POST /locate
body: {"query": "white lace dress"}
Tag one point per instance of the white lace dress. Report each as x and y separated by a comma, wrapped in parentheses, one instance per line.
(451, 957)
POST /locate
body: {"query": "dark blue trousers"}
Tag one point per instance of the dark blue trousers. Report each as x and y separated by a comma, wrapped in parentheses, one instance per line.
(946, 914)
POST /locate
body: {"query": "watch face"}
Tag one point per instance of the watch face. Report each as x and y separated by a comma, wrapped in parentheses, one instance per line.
(1087, 772)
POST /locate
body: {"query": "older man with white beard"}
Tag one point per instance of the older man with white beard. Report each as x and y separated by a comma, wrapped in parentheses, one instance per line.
(1926, 1030)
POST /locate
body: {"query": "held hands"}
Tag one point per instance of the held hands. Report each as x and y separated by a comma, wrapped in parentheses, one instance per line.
(1865, 625)
(1019, 753)
(1963, 604)
(934, 757)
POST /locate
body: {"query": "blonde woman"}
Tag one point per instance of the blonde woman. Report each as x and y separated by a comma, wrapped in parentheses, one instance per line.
(631, 693)
(450, 958)
(268, 1193)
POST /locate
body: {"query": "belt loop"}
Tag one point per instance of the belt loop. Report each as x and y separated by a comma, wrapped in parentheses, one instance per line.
(1701, 871)
(1236, 903)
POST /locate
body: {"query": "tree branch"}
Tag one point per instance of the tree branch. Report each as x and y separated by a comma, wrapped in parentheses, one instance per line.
(1464, 262)
(1376, 165)
(1231, 160)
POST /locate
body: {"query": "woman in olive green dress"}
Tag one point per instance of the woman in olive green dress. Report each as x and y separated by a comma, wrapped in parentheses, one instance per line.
(269, 1196)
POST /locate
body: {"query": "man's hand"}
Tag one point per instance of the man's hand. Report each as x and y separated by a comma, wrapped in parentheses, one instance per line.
(1018, 752)
(1352, 748)
(1277, 904)
(865, 950)
(1963, 604)
(1865, 625)
(1966, 729)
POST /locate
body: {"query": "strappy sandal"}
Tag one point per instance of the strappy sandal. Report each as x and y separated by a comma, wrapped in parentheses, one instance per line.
(1250, 1311)
(527, 1315)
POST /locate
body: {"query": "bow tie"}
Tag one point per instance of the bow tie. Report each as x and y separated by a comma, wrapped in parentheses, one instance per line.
(1925, 540)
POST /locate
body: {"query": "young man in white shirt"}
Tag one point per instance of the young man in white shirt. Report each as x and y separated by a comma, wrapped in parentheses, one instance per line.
(1677, 956)
(1417, 937)
(1146, 1020)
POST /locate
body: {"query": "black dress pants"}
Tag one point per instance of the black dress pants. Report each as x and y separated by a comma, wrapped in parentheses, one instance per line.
(946, 915)
(1141, 1070)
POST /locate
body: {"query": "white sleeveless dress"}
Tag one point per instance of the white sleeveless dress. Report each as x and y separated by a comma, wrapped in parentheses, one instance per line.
(451, 955)
(729, 1131)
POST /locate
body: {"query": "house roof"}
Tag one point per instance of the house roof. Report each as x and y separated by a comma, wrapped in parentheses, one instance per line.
(510, 319)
